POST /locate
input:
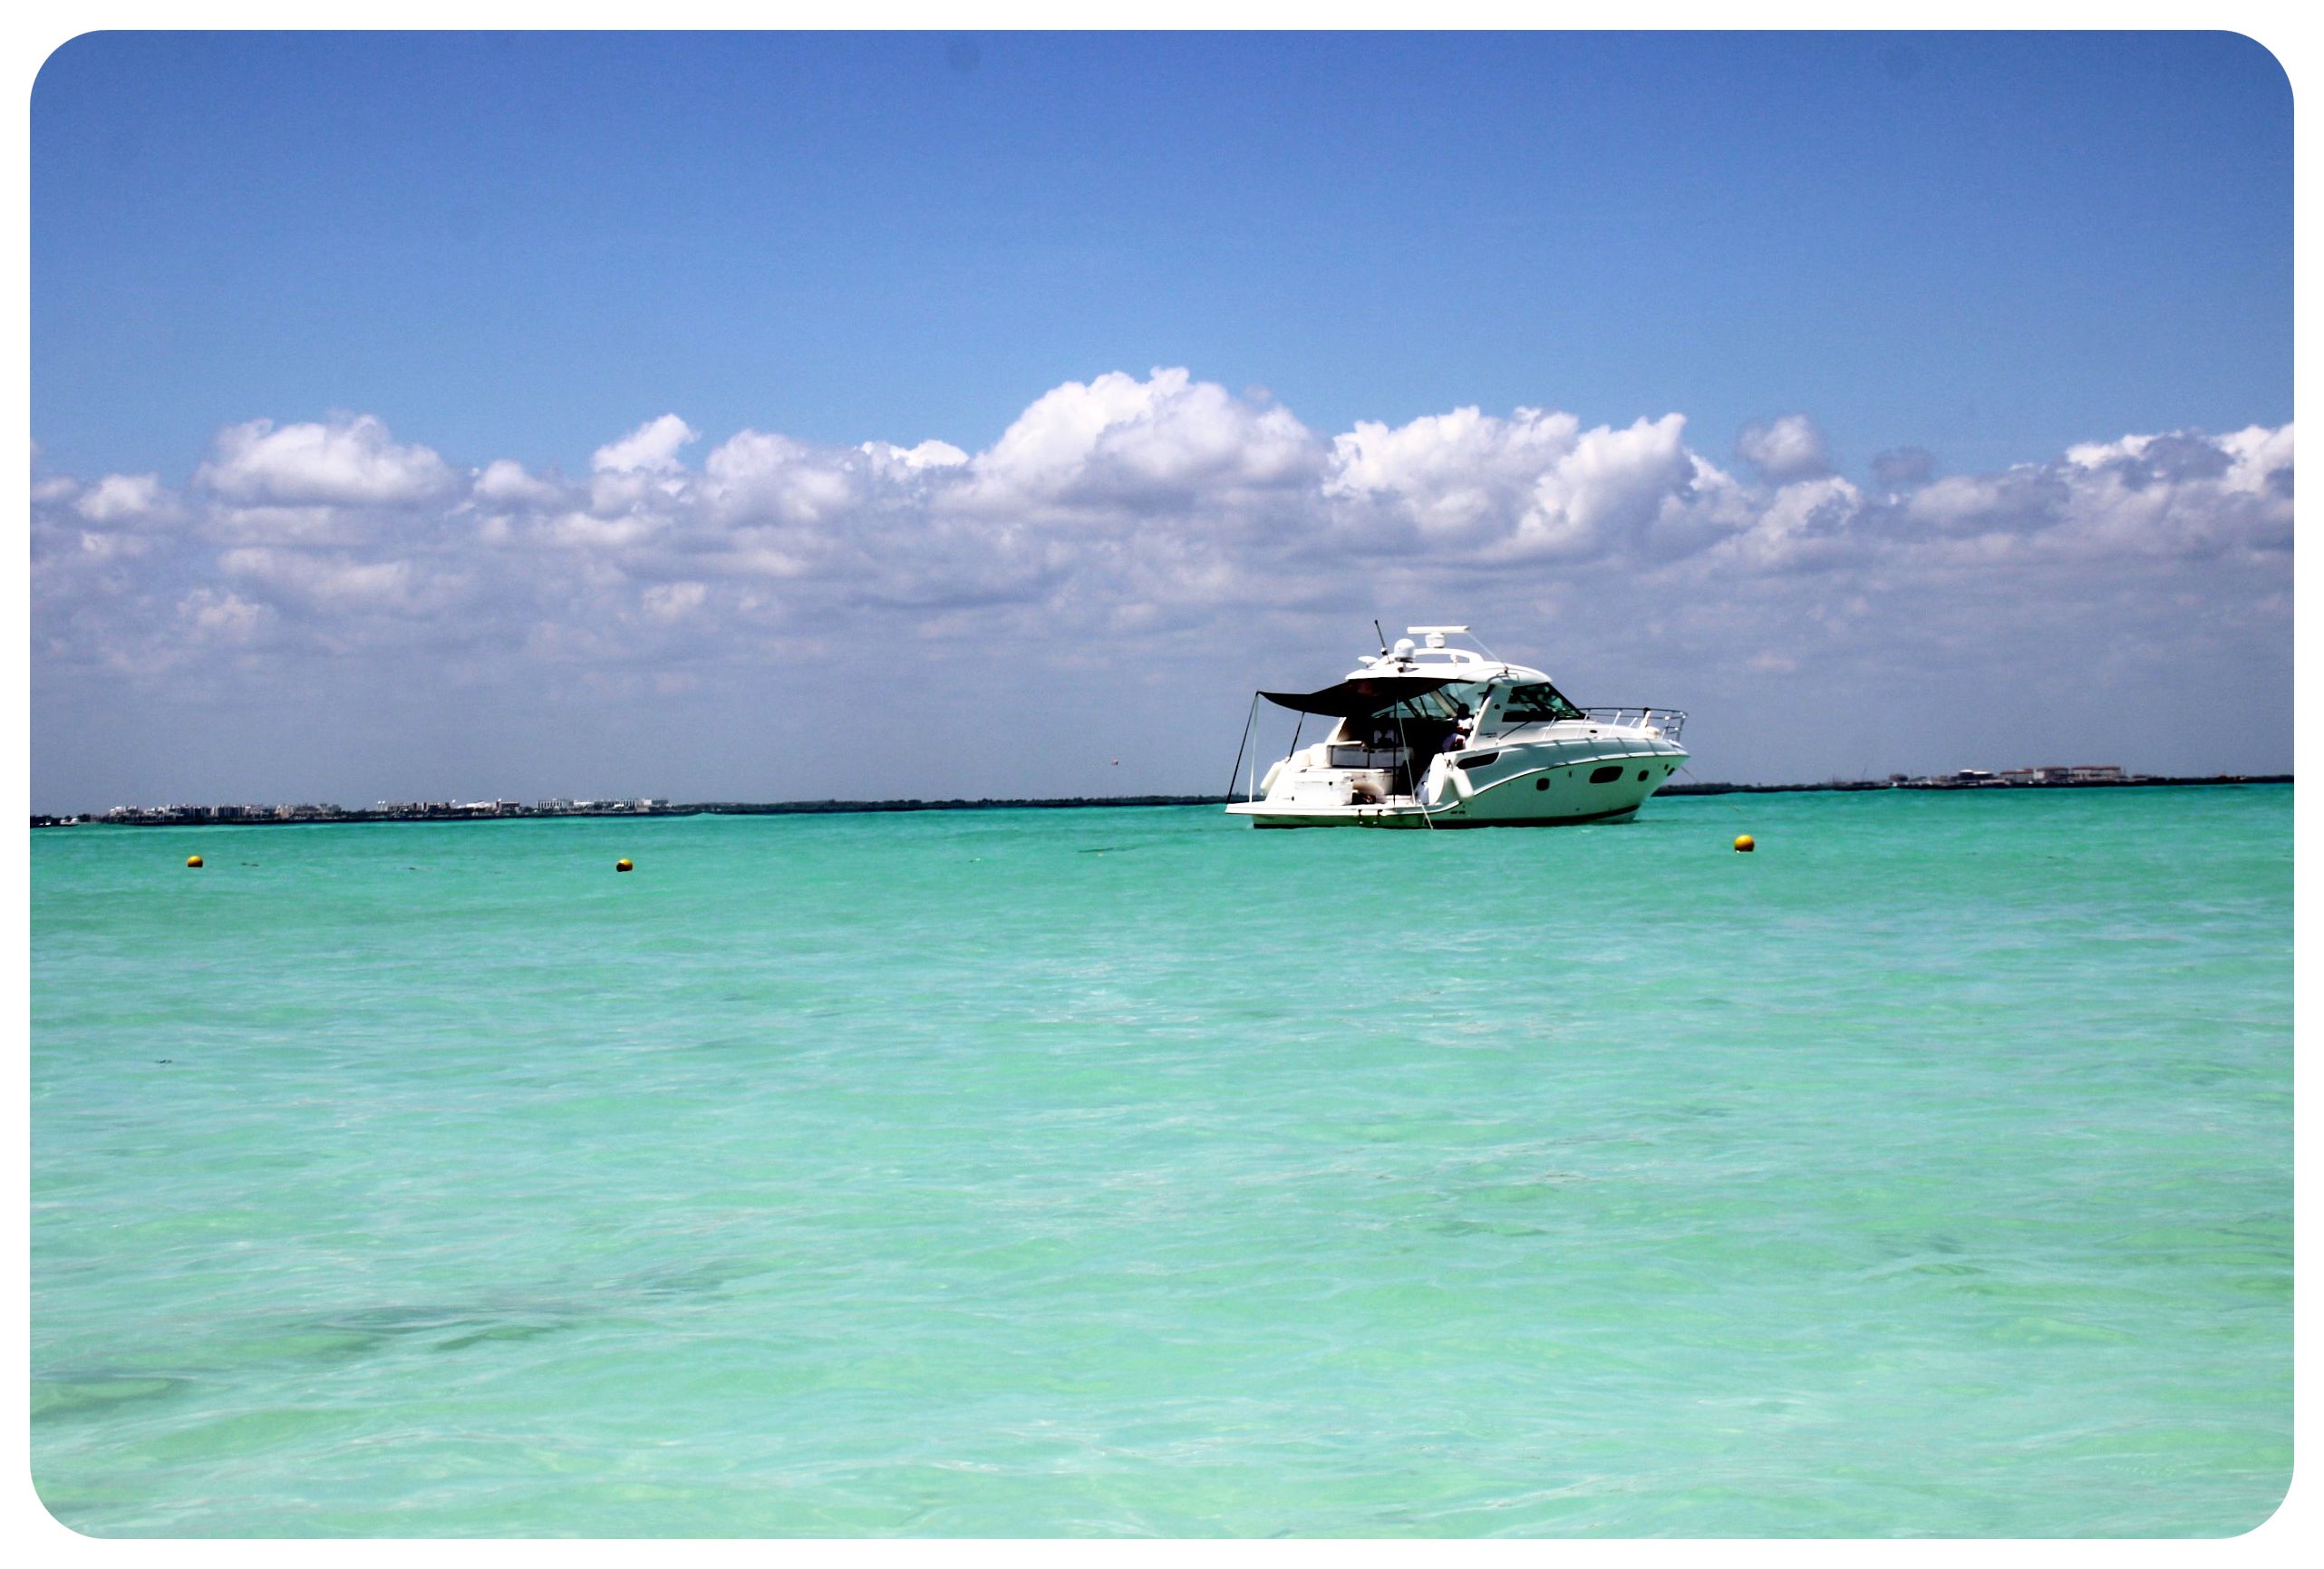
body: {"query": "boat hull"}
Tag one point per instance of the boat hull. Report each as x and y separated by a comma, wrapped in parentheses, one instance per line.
(1410, 817)
(1605, 779)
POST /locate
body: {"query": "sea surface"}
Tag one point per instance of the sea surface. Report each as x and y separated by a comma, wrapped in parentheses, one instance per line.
(1126, 1172)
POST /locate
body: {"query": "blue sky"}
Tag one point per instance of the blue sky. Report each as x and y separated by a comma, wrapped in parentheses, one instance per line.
(1989, 247)
(1979, 250)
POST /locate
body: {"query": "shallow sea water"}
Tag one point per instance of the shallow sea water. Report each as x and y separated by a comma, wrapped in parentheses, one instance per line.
(1131, 1172)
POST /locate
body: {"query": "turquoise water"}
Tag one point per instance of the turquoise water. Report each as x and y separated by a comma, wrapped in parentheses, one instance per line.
(1133, 1172)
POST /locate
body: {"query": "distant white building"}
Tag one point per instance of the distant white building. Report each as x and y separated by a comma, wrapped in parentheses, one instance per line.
(2107, 773)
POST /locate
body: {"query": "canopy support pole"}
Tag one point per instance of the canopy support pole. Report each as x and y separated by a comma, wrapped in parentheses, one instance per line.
(1248, 720)
(1412, 769)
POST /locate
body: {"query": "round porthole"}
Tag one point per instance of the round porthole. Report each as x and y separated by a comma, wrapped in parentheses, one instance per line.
(1642, 776)
(1541, 784)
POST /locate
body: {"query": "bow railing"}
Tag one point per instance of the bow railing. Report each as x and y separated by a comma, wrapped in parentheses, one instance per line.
(1670, 722)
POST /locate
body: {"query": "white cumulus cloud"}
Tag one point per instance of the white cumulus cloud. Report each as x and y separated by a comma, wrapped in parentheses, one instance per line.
(1129, 524)
(505, 483)
(349, 463)
(1785, 448)
(1532, 486)
(651, 448)
(1117, 442)
(120, 498)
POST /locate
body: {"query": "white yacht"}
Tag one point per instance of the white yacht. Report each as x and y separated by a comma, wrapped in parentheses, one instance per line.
(1434, 735)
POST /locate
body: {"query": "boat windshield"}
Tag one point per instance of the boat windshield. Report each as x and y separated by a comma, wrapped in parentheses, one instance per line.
(1429, 705)
(1534, 702)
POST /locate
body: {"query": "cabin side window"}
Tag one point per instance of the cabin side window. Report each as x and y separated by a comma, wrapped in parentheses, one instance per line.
(1534, 704)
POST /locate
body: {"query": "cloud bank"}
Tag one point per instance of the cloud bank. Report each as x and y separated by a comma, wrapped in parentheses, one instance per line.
(1122, 520)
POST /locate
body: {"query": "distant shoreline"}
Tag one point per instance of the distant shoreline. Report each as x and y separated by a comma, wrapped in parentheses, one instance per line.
(1715, 788)
(204, 818)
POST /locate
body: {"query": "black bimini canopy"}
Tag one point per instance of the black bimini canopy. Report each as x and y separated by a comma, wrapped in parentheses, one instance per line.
(1365, 695)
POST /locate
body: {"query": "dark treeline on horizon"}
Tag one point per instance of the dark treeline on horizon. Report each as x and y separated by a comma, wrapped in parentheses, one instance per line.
(1721, 788)
(202, 817)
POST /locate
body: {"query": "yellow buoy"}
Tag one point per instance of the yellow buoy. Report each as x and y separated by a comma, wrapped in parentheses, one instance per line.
(622, 865)
(193, 860)
(1745, 842)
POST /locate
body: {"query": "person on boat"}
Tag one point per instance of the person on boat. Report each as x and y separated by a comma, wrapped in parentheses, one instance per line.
(1456, 738)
